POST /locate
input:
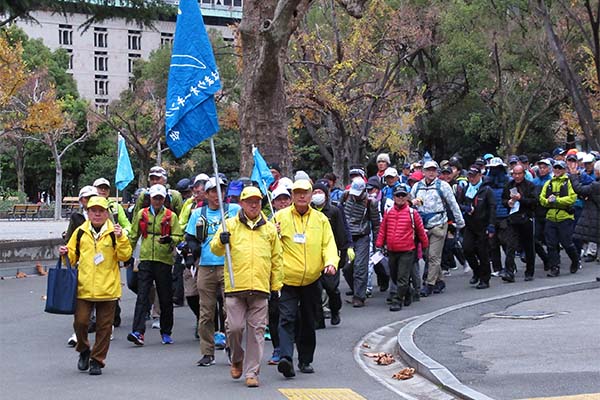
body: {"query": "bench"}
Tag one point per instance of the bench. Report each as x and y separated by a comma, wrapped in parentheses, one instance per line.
(25, 210)
(70, 204)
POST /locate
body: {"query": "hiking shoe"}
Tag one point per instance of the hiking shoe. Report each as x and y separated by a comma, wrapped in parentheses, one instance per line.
(575, 266)
(252, 382)
(206, 361)
(554, 272)
(426, 290)
(220, 340)
(507, 276)
(274, 360)
(155, 323)
(390, 298)
(95, 368)
(528, 278)
(357, 303)
(439, 287)
(306, 368)
(286, 368)
(72, 340)
(335, 318)
(474, 280)
(482, 285)
(396, 306)
(136, 338)
(84, 360)
(166, 339)
(236, 370)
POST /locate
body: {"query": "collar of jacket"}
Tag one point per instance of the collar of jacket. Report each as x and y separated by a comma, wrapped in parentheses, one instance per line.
(295, 211)
(244, 220)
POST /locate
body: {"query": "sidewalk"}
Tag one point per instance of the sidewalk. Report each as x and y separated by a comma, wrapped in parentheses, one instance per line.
(539, 342)
(32, 230)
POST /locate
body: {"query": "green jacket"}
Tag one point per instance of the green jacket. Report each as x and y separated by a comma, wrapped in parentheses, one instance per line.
(151, 249)
(116, 208)
(561, 209)
(175, 201)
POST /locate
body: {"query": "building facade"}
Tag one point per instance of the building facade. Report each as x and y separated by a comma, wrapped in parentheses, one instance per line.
(102, 57)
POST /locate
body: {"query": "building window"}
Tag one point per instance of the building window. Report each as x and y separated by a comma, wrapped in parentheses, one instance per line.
(101, 61)
(101, 106)
(70, 53)
(135, 40)
(131, 61)
(65, 35)
(101, 82)
(100, 37)
(166, 39)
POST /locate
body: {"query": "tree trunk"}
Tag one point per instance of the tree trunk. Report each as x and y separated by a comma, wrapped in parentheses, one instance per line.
(20, 164)
(589, 127)
(57, 183)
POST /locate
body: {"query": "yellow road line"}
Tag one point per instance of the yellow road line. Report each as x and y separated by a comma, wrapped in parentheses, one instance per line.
(321, 394)
(587, 396)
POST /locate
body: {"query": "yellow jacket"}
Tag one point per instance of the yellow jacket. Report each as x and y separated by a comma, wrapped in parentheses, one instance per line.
(101, 281)
(303, 263)
(255, 254)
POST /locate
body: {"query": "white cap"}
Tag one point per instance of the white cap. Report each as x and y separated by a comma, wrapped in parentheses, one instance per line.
(212, 183)
(384, 157)
(580, 155)
(588, 158)
(496, 162)
(158, 171)
(101, 181)
(431, 164)
(158, 190)
(357, 187)
(286, 183)
(280, 190)
(390, 172)
(201, 178)
(88, 191)
(301, 175)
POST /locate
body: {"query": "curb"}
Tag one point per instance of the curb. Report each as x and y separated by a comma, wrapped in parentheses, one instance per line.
(437, 372)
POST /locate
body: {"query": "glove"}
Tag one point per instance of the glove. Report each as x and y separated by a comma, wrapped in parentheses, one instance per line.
(491, 229)
(165, 239)
(182, 247)
(129, 263)
(351, 254)
(224, 236)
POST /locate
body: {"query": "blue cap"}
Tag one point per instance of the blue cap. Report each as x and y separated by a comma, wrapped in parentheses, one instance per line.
(235, 188)
(560, 164)
(488, 156)
(513, 159)
(557, 151)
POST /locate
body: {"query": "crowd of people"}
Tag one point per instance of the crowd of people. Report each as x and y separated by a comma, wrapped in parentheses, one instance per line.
(272, 270)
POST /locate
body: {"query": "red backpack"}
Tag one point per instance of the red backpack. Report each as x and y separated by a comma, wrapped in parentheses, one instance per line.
(165, 223)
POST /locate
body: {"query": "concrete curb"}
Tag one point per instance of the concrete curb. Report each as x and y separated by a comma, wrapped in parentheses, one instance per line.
(437, 372)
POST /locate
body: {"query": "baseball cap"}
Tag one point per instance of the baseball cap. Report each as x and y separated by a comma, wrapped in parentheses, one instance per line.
(286, 183)
(373, 182)
(235, 188)
(212, 183)
(101, 181)
(406, 166)
(88, 191)
(488, 156)
(589, 158)
(523, 158)
(415, 176)
(356, 171)
(183, 184)
(280, 191)
(357, 187)
(545, 161)
(557, 151)
(158, 171)
(301, 175)
(430, 164)
(572, 151)
(446, 170)
(98, 201)
(158, 190)
(496, 162)
(402, 188)
(580, 155)
(302, 184)
(513, 159)
(384, 157)
(560, 164)
(201, 178)
(390, 172)
(572, 157)
(473, 170)
(250, 191)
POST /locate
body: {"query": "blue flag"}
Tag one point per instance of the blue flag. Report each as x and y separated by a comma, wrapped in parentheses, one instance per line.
(191, 114)
(261, 172)
(124, 173)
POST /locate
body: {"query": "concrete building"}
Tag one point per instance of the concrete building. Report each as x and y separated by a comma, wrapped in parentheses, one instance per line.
(102, 58)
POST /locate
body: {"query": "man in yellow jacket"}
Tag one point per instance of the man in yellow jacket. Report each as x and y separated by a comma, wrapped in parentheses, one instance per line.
(309, 250)
(98, 246)
(257, 271)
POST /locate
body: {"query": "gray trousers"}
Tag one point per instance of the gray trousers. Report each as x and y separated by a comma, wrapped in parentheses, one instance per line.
(361, 266)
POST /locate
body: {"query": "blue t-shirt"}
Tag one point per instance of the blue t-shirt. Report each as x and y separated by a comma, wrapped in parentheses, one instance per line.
(207, 258)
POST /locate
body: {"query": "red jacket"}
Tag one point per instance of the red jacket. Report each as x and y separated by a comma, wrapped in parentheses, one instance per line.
(396, 230)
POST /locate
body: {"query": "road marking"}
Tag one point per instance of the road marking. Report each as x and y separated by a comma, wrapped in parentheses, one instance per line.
(588, 396)
(321, 394)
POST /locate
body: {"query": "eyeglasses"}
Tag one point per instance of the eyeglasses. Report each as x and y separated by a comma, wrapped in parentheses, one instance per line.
(401, 194)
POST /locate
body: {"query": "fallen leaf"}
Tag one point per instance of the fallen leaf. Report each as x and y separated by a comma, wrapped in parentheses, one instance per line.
(385, 359)
(366, 345)
(404, 374)
(21, 275)
(40, 269)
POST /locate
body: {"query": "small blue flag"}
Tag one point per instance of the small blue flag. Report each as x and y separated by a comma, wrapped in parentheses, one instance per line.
(124, 173)
(191, 113)
(261, 172)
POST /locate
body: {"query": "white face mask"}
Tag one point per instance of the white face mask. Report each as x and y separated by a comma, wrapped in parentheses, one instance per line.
(318, 199)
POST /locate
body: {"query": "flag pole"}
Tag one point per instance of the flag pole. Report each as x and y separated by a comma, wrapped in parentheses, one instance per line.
(220, 197)
(269, 197)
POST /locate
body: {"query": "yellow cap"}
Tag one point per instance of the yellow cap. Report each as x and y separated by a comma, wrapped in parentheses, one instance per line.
(98, 201)
(302, 184)
(250, 191)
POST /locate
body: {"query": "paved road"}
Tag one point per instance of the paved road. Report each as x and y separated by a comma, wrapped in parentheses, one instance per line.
(38, 364)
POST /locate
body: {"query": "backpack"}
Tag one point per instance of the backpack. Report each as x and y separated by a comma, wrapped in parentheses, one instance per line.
(202, 223)
(427, 216)
(80, 233)
(165, 223)
(563, 191)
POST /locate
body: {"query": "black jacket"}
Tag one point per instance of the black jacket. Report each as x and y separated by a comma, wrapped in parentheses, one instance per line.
(588, 226)
(483, 206)
(528, 200)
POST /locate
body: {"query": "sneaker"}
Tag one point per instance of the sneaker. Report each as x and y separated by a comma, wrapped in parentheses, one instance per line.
(236, 370)
(220, 340)
(335, 318)
(554, 272)
(482, 285)
(72, 340)
(274, 360)
(496, 273)
(206, 361)
(83, 364)
(426, 290)
(95, 368)
(369, 293)
(286, 368)
(155, 323)
(396, 306)
(575, 266)
(439, 287)
(252, 382)
(136, 338)
(166, 339)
